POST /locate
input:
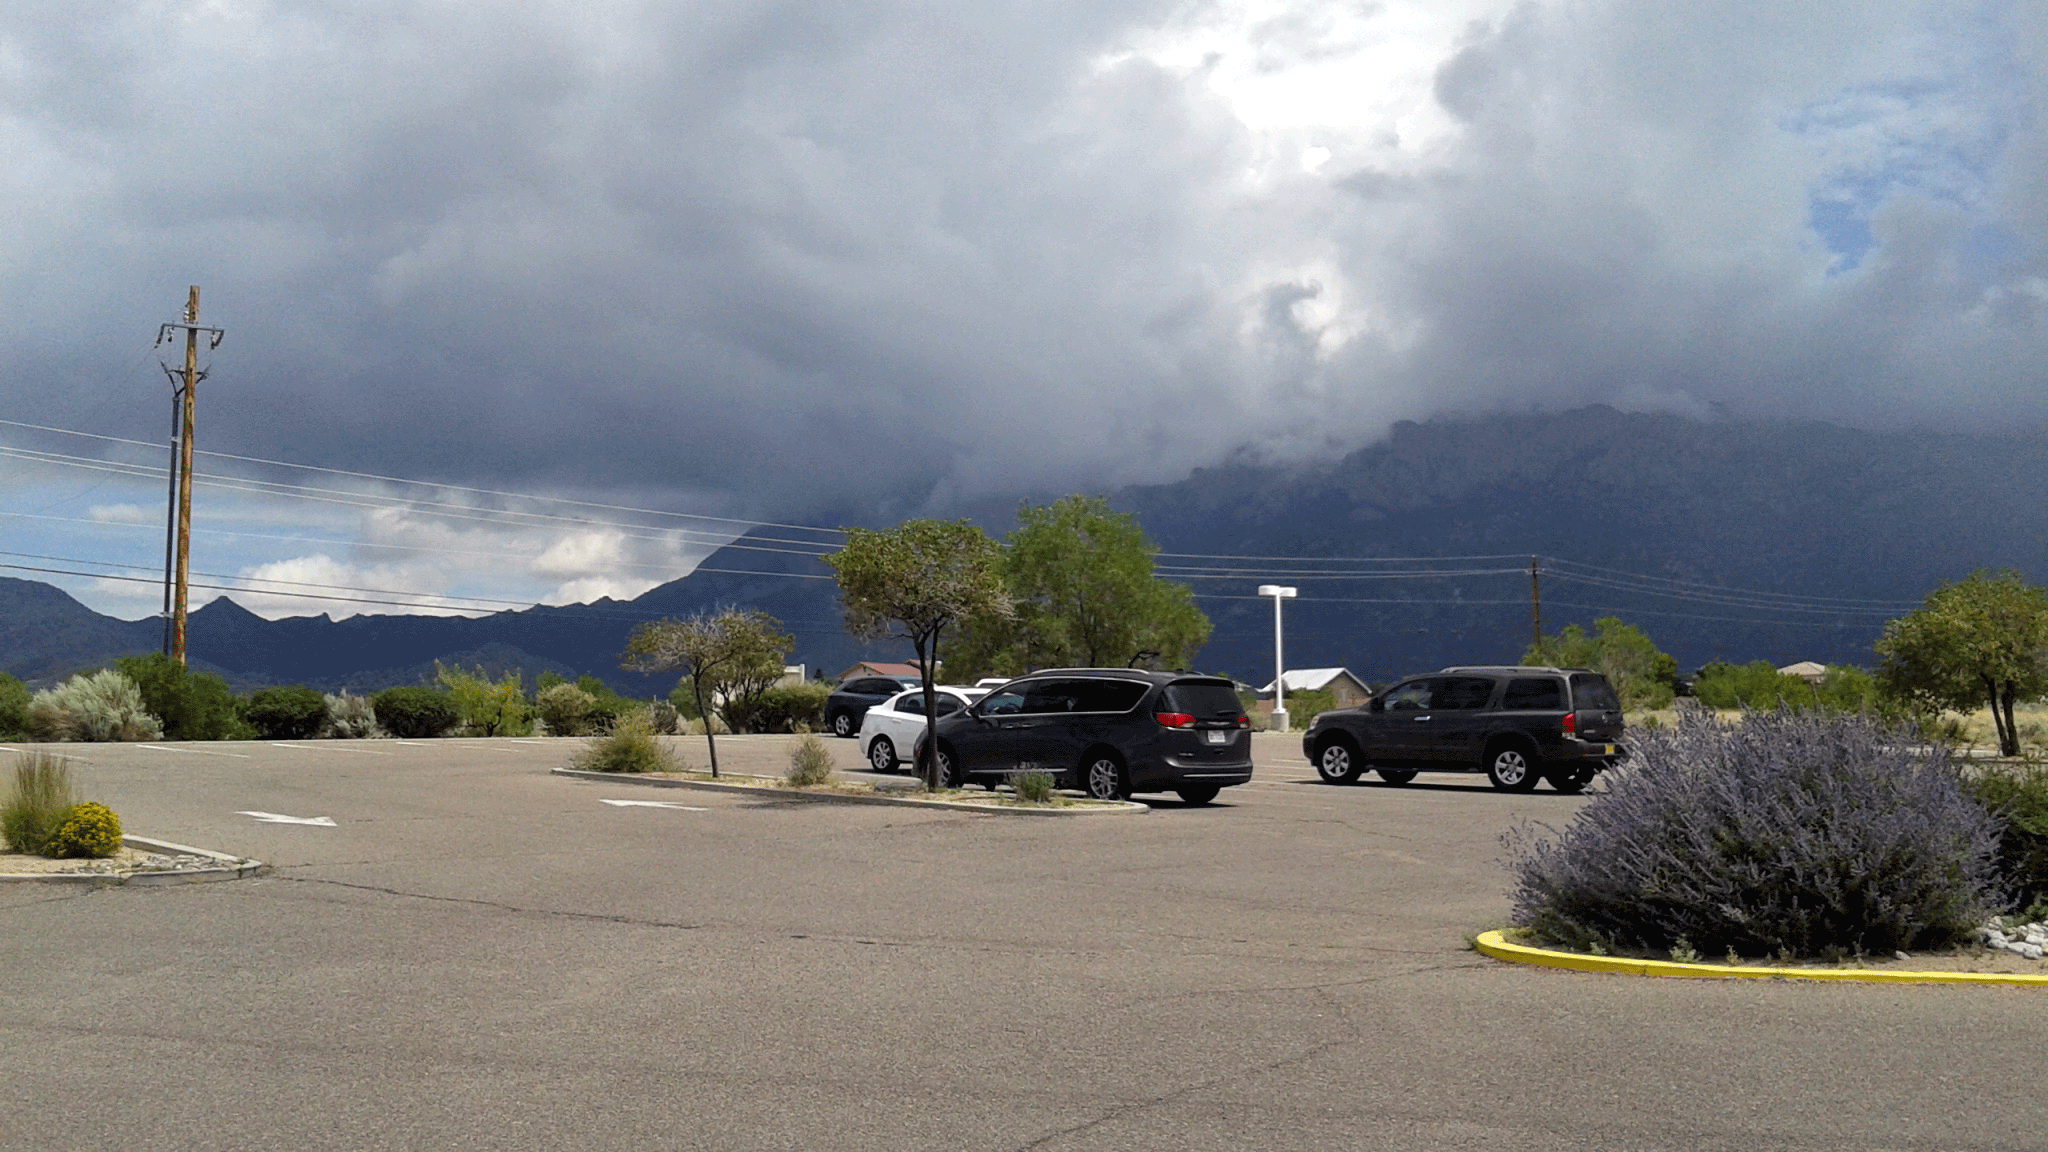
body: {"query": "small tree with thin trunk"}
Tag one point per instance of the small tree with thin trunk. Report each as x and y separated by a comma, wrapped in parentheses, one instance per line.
(1975, 642)
(913, 583)
(718, 653)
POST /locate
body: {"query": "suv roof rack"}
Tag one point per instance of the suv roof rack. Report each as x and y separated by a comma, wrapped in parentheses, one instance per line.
(1511, 668)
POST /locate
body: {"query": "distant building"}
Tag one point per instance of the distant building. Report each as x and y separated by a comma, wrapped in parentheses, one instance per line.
(1806, 670)
(883, 668)
(1348, 690)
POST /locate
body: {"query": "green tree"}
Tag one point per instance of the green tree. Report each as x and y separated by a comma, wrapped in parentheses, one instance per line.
(913, 583)
(487, 709)
(14, 698)
(1976, 643)
(191, 705)
(1642, 675)
(719, 652)
(1081, 580)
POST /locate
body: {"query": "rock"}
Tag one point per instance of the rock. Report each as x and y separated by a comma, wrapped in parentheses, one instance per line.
(2030, 951)
(1900, 956)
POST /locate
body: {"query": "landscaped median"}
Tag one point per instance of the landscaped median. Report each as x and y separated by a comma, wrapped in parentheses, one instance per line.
(849, 792)
(1497, 945)
(140, 860)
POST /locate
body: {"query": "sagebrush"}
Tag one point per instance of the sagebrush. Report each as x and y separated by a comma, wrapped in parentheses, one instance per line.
(1784, 834)
(810, 762)
(97, 706)
(350, 717)
(630, 746)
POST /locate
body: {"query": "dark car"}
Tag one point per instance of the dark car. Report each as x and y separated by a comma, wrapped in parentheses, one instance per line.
(852, 699)
(1107, 731)
(1516, 724)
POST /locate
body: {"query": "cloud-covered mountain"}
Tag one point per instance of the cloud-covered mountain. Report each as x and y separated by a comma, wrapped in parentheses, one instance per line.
(1722, 539)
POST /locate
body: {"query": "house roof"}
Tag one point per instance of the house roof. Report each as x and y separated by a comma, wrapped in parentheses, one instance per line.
(1806, 668)
(880, 668)
(1309, 679)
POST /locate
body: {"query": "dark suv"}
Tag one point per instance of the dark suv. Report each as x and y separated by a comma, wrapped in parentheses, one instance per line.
(852, 699)
(1107, 731)
(1515, 724)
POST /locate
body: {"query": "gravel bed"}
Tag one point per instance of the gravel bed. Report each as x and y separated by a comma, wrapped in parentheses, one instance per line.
(126, 861)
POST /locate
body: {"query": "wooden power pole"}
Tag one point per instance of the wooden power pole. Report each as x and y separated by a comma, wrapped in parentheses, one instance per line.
(1535, 606)
(189, 392)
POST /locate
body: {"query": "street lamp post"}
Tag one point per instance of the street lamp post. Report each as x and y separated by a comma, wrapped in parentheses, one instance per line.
(1278, 592)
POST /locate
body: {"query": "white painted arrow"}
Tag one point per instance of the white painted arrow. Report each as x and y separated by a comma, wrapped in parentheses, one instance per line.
(650, 804)
(274, 818)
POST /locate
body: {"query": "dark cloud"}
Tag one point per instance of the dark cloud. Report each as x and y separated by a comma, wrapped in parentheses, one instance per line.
(762, 254)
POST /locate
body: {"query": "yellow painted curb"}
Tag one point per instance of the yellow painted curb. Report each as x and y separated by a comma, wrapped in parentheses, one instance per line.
(1496, 945)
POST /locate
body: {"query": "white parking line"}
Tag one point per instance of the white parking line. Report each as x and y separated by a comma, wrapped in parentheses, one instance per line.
(194, 751)
(275, 818)
(650, 804)
(324, 748)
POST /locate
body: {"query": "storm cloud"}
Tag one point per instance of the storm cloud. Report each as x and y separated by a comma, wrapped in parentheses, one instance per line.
(761, 257)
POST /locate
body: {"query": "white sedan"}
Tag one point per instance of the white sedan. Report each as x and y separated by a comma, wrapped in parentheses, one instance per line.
(894, 726)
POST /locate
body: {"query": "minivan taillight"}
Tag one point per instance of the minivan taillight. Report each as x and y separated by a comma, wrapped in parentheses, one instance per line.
(1570, 727)
(1174, 719)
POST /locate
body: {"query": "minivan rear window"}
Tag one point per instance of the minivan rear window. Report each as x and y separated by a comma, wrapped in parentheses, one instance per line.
(1206, 699)
(1591, 691)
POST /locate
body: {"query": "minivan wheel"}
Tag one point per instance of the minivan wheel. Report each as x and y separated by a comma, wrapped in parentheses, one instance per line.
(842, 725)
(882, 755)
(1336, 763)
(1105, 779)
(1511, 770)
(1198, 794)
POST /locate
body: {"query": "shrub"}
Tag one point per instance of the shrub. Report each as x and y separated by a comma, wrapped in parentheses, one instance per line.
(2018, 796)
(487, 709)
(89, 829)
(190, 705)
(415, 713)
(286, 713)
(351, 718)
(630, 746)
(101, 706)
(565, 709)
(1034, 787)
(1784, 834)
(783, 708)
(810, 763)
(36, 804)
(664, 717)
(14, 697)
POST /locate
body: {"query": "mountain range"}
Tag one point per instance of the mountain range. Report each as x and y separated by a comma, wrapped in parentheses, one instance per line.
(1723, 539)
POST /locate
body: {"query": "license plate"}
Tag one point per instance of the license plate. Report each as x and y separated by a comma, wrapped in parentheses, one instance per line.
(1216, 737)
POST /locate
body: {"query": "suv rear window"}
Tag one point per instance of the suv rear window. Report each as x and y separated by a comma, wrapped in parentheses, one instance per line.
(1590, 690)
(1534, 695)
(1208, 699)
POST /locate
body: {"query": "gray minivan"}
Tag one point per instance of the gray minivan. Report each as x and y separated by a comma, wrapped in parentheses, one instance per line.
(1106, 731)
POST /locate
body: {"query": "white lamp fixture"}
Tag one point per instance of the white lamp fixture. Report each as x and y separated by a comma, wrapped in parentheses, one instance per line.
(1278, 592)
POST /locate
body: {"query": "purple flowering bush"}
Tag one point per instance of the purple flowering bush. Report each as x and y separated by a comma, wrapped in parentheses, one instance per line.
(1786, 834)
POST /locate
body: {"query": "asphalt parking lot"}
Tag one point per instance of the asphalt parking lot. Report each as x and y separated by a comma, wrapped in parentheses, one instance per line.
(480, 955)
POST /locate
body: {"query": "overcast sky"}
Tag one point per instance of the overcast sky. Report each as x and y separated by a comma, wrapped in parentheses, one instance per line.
(773, 259)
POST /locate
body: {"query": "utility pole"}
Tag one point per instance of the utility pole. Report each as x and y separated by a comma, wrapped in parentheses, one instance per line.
(1535, 606)
(182, 478)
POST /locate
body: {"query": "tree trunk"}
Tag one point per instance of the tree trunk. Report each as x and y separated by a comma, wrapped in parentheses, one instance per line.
(704, 715)
(929, 765)
(2010, 744)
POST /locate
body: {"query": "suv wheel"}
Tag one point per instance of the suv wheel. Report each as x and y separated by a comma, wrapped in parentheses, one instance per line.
(1105, 779)
(1512, 770)
(1336, 763)
(842, 724)
(1570, 781)
(1396, 775)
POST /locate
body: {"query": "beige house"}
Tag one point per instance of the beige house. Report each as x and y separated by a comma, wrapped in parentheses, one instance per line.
(1348, 690)
(1806, 670)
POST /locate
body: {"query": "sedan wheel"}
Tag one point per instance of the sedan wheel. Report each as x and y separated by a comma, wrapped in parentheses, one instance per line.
(1337, 764)
(882, 755)
(1511, 771)
(1105, 779)
(950, 775)
(842, 725)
